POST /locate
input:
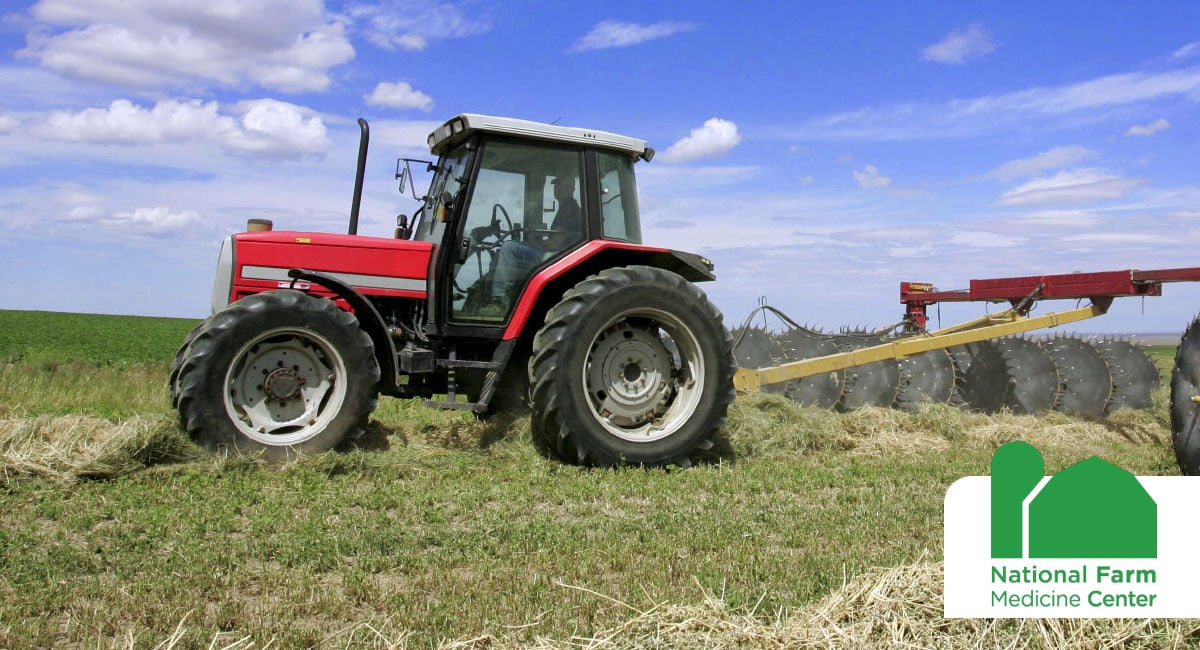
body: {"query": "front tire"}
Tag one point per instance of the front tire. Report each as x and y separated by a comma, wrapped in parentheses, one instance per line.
(177, 363)
(633, 367)
(278, 373)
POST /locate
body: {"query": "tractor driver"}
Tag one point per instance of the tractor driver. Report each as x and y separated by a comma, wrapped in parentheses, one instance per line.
(518, 259)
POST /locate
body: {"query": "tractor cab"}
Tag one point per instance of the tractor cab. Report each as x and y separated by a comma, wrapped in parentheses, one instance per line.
(510, 197)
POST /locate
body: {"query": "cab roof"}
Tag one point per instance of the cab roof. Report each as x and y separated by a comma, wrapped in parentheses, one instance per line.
(462, 126)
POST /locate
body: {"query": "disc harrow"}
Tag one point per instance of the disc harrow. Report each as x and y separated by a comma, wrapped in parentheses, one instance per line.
(1069, 374)
(985, 364)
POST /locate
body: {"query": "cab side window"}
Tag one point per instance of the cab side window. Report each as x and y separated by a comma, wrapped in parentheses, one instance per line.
(618, 198)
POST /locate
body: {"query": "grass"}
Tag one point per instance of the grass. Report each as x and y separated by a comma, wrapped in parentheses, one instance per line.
(440, 531)
(58, 338)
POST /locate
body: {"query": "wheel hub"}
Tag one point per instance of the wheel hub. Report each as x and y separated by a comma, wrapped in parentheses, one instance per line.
(631, 375)
(283, 384)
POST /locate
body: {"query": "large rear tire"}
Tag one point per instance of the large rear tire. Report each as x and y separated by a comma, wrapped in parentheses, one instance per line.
(1185, 411)
(633, 367)
(279, 373)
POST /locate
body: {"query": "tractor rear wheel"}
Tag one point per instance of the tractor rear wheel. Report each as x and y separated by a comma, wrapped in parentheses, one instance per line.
(633, 367)
(279, 373)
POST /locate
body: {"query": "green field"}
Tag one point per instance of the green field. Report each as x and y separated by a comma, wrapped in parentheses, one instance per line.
(437, 530)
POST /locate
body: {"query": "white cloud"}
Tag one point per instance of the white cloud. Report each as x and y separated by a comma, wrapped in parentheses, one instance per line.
(126, 123)
(275, 128)
(1072, 104)
(960, 45)
(73, 203)
(1067, 220)
(978, 239)
(399, 95)
(76, 208)
(1160, 124)
(1054, 158)
(413, 24)
(694, 180)
(1071, 187)
(151, 221)
(613, 33)
(869, 178)
(403, 135)
(715, 137)
(265, 127)
(8, 123)
(285, 45)
(1187, 51)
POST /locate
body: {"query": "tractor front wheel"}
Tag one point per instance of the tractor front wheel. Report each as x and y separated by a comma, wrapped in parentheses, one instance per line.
(278, 373)
(633, 367)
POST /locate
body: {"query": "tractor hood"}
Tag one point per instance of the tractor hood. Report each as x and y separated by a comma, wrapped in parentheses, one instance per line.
(259, 261)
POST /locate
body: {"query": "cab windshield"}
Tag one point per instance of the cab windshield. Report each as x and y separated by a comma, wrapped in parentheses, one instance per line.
(449, 180)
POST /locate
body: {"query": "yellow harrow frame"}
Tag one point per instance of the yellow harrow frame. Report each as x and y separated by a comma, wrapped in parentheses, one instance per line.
(1005, 323)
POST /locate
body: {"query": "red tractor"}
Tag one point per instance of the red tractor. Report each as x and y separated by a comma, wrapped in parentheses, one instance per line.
(524, 261)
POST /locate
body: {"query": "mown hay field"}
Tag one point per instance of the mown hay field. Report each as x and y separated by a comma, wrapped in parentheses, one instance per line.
(806, 528)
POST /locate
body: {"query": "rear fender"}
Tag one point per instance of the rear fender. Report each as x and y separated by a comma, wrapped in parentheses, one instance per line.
(547, 287)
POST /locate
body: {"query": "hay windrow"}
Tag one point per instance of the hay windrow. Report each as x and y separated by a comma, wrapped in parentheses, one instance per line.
(764, 424)
(760, 425)
(72, 447)
(900, 607)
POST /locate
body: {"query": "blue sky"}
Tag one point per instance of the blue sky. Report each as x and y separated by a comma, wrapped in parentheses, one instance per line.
(820, 153)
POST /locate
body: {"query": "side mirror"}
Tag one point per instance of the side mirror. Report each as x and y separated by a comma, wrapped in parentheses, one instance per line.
(404, 179)
(405, 175)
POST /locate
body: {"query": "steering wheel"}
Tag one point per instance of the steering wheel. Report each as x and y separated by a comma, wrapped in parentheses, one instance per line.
(487, 240)
(508, 222)
(490, 237)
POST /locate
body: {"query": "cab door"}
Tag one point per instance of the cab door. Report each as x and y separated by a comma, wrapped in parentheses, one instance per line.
(525, 210)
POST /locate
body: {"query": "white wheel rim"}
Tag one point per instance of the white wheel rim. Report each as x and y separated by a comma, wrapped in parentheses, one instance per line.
(284, 386)
(644, 375)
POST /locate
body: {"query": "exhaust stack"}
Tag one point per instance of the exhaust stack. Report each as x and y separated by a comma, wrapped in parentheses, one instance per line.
(364, 136)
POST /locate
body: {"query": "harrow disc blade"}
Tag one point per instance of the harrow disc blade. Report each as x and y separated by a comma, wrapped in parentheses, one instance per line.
(925, 377)
(1134, 374)
(822, 390)
(755, 348)
(981, 381)
(1032, 375)
(1085, 381)
(875, 384)
(1185, 411)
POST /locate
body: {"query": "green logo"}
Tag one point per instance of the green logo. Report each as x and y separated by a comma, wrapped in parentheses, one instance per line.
(1092, 509)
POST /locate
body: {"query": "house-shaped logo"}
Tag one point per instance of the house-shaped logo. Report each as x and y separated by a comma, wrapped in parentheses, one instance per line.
(1092, 509)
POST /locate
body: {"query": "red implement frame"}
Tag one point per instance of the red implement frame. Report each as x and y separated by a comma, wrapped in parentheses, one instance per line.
(1021, 292)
